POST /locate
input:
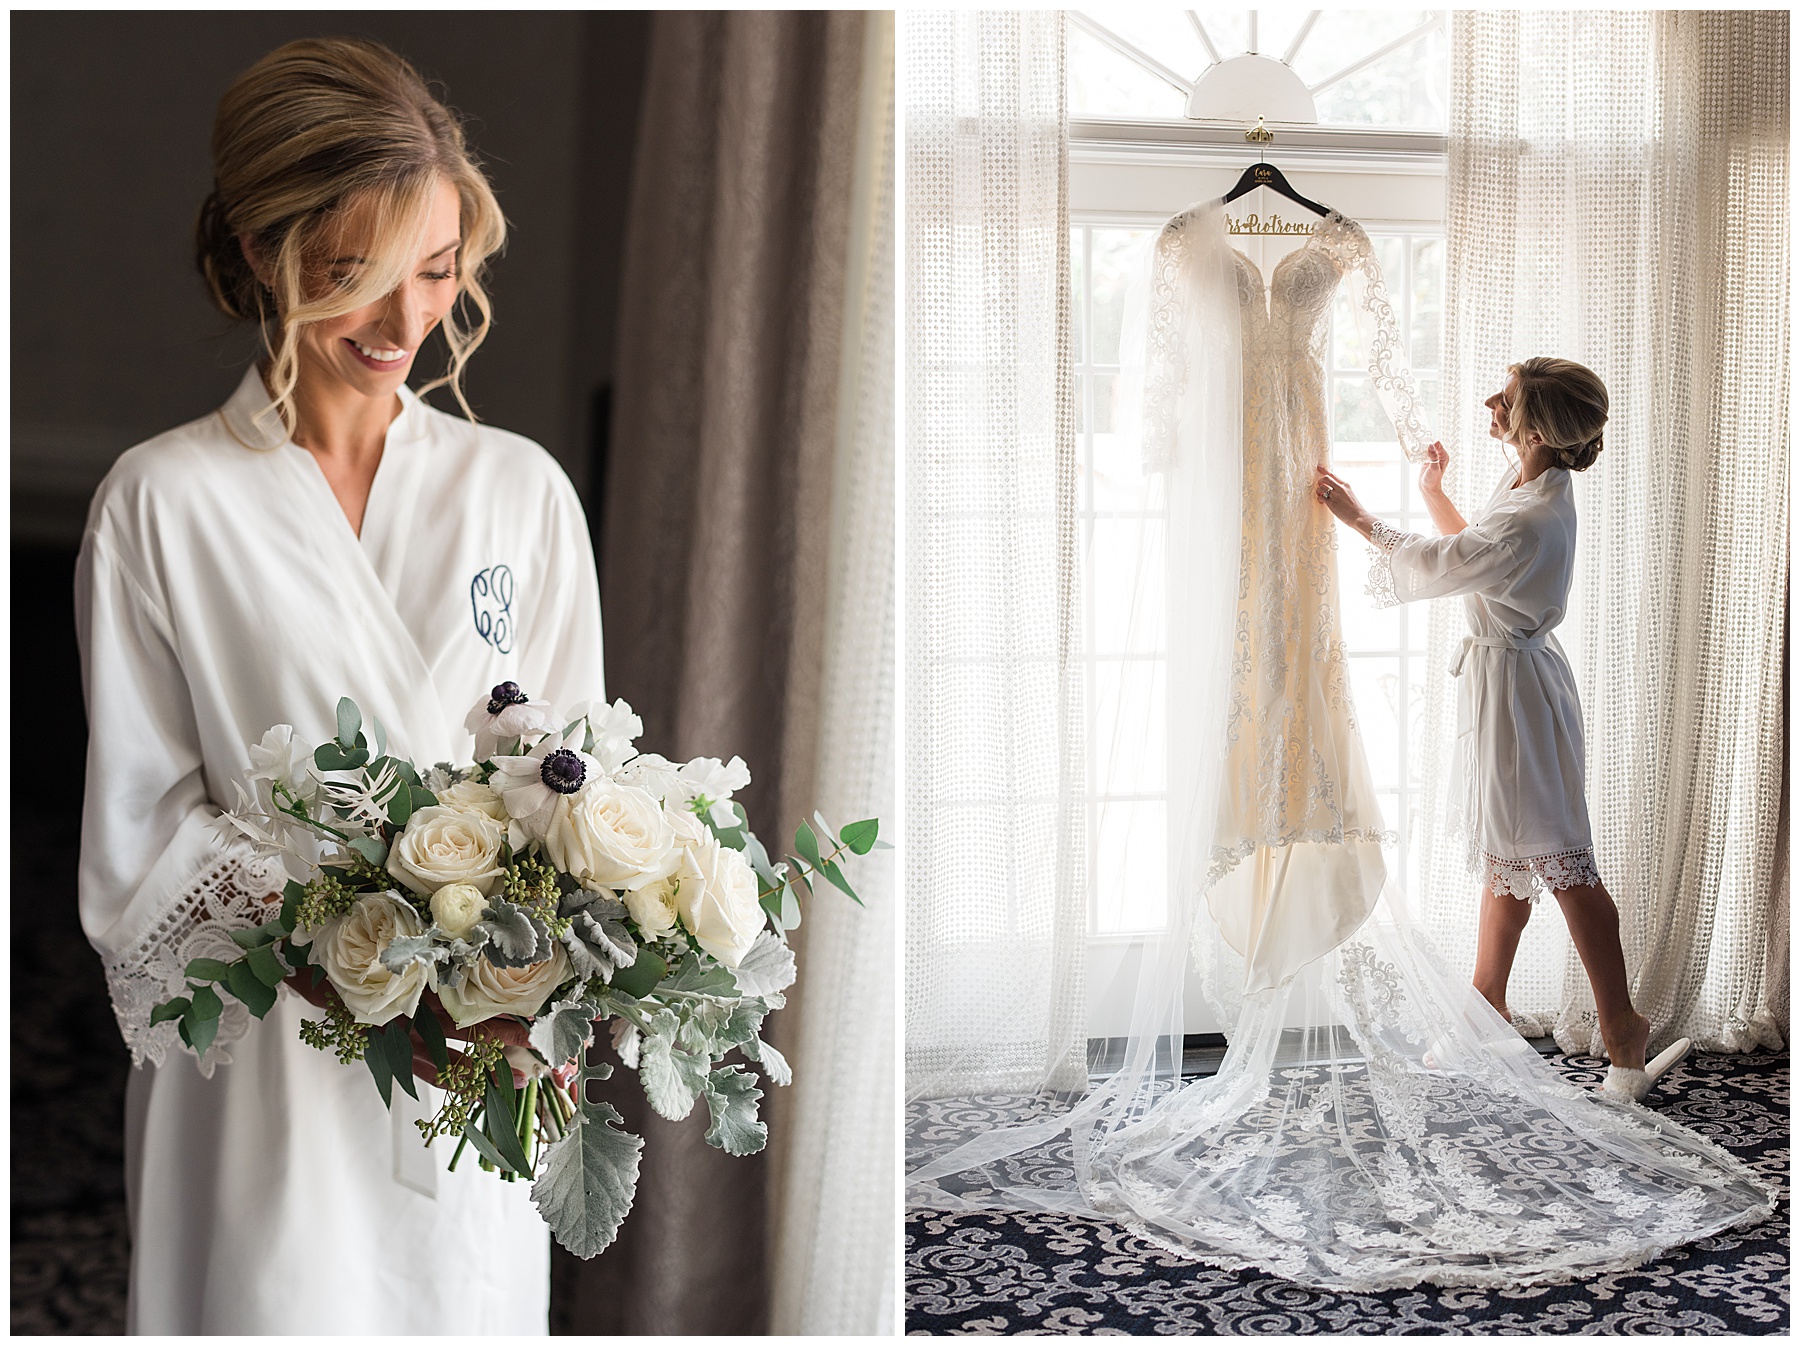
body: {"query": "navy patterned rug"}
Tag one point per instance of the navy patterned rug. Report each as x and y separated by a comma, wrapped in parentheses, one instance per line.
(1001, 1273)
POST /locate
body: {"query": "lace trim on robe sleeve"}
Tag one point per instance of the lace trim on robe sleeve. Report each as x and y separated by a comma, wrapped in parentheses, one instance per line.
(1384, 537)
(235, 892)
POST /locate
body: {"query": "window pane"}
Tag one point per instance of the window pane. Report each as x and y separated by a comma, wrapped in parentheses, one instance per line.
(1366, 627)
(1130, 855)
(1344, 35)
(1165, 34)
(1116, 251)
(1127, 730)
(1375, 687)
(1404, 88)
(1103, 83)
(1356, 414)
(1128, 606)
(1118, 481)
(1427, 303)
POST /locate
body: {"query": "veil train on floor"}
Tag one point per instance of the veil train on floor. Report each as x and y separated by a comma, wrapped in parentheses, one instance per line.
(1375, 1123)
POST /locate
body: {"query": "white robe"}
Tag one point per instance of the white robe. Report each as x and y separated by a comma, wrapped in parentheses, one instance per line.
(1521, 757)
(220, 591)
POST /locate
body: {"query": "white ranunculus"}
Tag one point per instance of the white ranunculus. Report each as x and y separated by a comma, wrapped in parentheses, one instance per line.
(716, 897)
(611, 836)
(471, 796)
(349, 948)
(653, 907)
(487, 990)
(442, 845)
(457, 907)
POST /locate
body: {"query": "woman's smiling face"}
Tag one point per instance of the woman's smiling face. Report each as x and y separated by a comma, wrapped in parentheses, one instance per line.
(372, 348)
(1500, 405)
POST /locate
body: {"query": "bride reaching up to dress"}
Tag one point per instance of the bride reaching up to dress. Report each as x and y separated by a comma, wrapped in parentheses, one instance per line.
(1518, 715)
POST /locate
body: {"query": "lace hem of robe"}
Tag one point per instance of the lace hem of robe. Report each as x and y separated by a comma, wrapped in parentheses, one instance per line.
(1384, 537)
(1529, 880)
(234, 892)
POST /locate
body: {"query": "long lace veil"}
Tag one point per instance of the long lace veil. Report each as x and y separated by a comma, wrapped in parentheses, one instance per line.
(1374, 1123)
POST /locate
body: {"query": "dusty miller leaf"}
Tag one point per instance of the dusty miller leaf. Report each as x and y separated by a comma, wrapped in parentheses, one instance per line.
(731, 1096)
(589, 1180)
(513, 937)
(774, 1064)
(563, 1030)
(767, 969)
(672, 1078)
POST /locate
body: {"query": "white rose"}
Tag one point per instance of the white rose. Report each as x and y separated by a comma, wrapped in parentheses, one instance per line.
(349, 948)
(611, 836)
(443, 845)
(653, 907)
(487, 990)
(471, 796)
(456, 907)
(716, 898)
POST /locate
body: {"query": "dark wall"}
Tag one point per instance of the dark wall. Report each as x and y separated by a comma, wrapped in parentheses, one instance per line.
(113, 338)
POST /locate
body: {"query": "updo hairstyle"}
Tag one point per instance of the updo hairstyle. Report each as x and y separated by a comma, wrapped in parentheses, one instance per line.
(1566, 404)
(313, 128)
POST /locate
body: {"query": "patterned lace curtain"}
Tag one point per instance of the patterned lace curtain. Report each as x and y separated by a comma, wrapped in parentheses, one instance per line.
(994, 870)
(1618, 194)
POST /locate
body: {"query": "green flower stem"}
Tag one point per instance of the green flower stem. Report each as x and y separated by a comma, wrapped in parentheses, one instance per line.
(459, 1149)
(528, 1123)
(809, 871)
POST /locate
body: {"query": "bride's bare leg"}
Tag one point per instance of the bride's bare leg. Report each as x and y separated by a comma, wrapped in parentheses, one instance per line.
(1503, 920)
(1594, 926)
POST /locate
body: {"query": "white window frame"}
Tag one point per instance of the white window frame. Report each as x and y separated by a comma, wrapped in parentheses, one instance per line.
(1138, 174)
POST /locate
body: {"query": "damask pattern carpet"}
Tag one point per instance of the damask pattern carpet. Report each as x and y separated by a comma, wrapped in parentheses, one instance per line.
(995, 1273)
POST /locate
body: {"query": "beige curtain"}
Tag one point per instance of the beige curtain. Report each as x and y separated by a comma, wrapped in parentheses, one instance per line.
(1618, 194)
(715, 538)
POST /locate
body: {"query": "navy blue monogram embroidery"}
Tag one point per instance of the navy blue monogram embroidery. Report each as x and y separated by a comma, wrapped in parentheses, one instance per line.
(491, 596)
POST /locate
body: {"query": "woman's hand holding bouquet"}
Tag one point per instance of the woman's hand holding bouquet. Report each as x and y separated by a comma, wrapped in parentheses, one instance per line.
(563, 880)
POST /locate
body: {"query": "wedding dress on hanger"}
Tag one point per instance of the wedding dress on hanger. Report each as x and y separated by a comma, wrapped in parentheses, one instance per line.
(1375, 1123)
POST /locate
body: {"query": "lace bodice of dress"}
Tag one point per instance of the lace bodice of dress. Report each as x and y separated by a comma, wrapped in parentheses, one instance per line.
(1297, 767)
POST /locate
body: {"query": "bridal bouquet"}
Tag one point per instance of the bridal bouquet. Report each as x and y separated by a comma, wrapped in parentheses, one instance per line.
(564, 880)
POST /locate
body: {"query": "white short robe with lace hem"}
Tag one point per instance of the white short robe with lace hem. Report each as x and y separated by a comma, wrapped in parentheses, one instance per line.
(1520, 761)
(220, 590)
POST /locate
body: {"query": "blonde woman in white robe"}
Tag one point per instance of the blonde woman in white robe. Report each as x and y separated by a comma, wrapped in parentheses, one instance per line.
(324, 533)
(1518, 712)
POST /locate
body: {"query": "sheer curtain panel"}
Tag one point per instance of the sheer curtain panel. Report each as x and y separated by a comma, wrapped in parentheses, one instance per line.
(994, 871)
(1617, 194)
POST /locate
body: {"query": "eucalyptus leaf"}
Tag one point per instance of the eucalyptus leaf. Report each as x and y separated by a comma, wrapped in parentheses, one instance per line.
(642, 977)
(836, 875)
(400, 805)
(349, 721)
(206, 969)
(807, 844)
(243, 983)
(825, 829)
(431, 1033)
(267, 965)
(257, 935)
(860, 837)
(731, 1096)
(498, 1122)
(790, 907)
(291, 897)
(396, 1040)
(767, 968)
(372, 849)
(207, 1004)
(169, 1009)
(589, 1180)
